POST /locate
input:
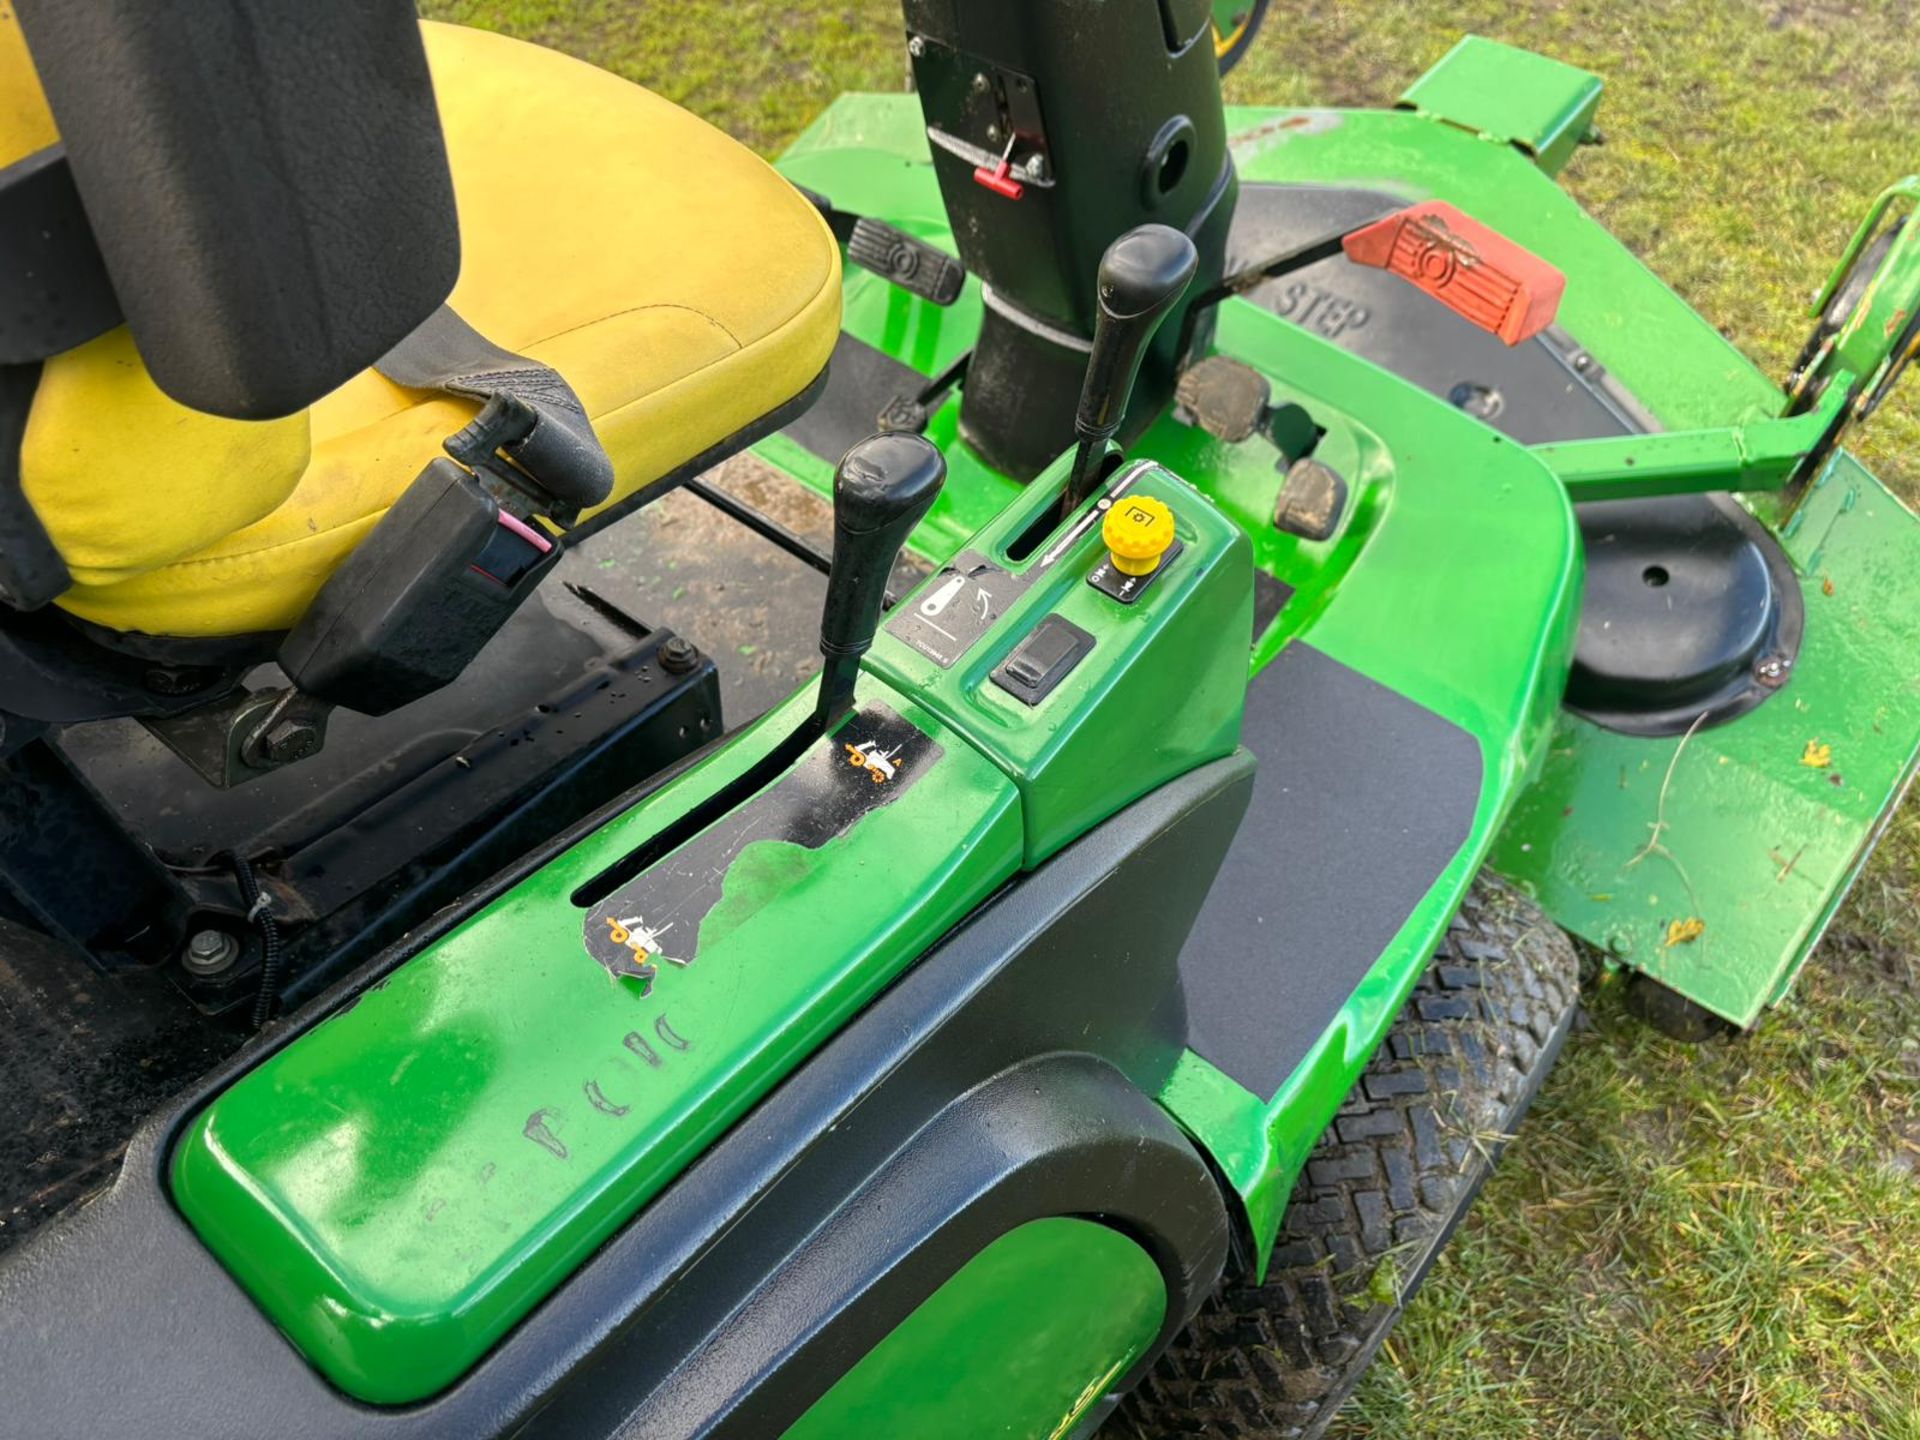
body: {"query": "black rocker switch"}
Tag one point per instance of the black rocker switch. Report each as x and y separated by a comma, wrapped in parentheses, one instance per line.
(1042, 660)
(881, 490)
(1142, 276)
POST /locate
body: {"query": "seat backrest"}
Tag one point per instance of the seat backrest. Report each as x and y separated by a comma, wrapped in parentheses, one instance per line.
(266, 181)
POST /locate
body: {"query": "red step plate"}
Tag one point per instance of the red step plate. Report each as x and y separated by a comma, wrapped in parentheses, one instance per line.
(1474, 271)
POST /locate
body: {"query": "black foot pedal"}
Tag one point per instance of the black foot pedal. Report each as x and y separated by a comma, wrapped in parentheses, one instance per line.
(1312, 499)
(1227, 399)
(911, 412)
(911, 264)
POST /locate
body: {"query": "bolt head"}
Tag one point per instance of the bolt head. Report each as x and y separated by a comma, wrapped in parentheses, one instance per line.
(916, 47)
(179, 679)
(679, 656)
(290, 740)
(1036, 167)
(1772, 671)
(980, 82)
(209, 952)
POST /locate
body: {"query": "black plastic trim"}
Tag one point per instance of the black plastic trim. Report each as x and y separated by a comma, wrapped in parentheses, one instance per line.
(1060, 1135)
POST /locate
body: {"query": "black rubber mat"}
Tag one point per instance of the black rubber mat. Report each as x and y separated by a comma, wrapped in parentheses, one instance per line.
(861, 380)
(1362, 798)
(86, 1058)
(1545, 389)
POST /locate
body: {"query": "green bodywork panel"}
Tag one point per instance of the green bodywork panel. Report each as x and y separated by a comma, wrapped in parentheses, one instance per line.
(1454, 587)
(1514, 96)
(1432, 500)
(407, 1179)
(1750, 840)
(1435, 496)
(1022, 1340)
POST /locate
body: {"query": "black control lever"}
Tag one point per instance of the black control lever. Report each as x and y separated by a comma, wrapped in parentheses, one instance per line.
(1142, 276)
(883, 487)
(881, 490)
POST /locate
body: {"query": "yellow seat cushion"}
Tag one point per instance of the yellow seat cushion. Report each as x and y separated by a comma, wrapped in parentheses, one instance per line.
(682, 287)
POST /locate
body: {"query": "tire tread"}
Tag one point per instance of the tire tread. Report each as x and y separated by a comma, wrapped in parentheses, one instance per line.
(1393, 1174)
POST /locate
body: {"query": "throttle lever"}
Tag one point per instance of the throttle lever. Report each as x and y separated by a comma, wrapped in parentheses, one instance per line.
(882, 488)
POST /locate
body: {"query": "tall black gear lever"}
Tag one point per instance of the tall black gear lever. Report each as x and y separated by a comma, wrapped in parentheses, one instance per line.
(1142, 277)
(882, 488)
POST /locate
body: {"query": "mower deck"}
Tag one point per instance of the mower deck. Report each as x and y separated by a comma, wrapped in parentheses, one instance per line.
(1756, 828)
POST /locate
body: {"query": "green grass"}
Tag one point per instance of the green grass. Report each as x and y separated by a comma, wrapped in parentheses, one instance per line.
(1685, 1243)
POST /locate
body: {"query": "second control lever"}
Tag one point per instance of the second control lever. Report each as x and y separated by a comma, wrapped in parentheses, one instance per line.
(882, 488)
(1142, 276)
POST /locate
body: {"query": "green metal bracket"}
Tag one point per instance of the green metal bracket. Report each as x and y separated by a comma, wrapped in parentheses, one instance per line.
(1763, 454)
(1906, 188)
(1868, 311)
(1543, 107)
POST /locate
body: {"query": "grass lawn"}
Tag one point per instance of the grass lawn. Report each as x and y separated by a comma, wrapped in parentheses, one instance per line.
(1717, 1242)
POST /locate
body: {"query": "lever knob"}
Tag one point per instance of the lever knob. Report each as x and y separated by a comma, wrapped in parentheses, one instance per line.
(883, 487)
(1142, 277)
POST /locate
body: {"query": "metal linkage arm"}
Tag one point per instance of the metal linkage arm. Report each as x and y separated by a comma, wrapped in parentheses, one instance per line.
(1762, 454)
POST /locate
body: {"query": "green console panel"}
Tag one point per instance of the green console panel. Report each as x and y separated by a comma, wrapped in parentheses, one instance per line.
(1159, 688)
(403, 1182)
(1019, 1344)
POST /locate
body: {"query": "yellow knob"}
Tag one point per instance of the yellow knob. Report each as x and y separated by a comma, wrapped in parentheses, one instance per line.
(1138, 530)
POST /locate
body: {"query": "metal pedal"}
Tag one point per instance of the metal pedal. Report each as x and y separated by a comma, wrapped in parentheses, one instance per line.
(911, 264)
(1312, 499)
(1227, 399)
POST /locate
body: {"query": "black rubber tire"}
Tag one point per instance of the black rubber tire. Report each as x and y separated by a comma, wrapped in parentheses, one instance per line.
(1389, 1180)
(1672, 1014)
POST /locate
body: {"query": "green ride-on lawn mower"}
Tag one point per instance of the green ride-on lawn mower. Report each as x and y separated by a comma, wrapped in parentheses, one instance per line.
(1285, 571)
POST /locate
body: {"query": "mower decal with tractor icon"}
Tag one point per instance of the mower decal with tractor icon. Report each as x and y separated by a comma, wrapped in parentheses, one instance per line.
(869, 762)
